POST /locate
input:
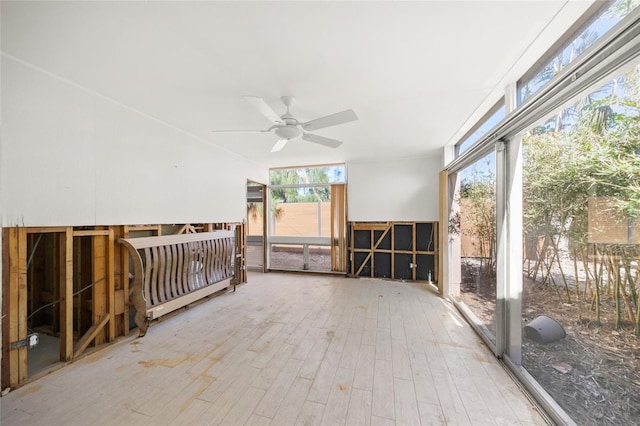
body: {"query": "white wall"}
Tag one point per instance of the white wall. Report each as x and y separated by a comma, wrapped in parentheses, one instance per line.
(394, 190)
(71, 157)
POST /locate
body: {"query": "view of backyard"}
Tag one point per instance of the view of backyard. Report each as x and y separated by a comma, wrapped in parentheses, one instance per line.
(581, 215)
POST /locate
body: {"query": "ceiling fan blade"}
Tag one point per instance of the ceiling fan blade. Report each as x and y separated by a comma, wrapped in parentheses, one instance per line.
(280, 143)
(331, 143)
(239, 131)
(331, 120)
(261, 105)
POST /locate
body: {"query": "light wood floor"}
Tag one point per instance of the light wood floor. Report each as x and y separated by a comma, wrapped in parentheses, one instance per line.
(288, 349)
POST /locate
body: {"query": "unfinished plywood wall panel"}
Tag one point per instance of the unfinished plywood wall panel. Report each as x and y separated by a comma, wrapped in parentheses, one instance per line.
(396, 250)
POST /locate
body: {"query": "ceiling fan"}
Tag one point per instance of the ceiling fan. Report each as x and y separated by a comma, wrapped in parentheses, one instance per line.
(288, 128)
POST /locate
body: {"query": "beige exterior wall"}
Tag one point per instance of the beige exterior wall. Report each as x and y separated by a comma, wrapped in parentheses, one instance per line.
(296, 219)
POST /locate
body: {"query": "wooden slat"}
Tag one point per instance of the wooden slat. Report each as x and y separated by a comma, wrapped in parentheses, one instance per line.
(186, 265)
(92, 333)
(91, 233)
(180, 284)
(153, 284)
(376, 226)
(22, 303)
(172, 305)
(45, 229)
(129, 228)
(9, 306)
(111, 282)
(99, 291)
(172, 273)
(142, 242)
(66, 292)
(374, 247)
(124, 267)
(162, 261)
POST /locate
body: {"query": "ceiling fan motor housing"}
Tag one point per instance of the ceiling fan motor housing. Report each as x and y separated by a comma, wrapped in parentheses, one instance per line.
(288, 132)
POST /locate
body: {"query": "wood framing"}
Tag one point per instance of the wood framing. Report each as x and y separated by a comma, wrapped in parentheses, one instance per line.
(396, 250)
(66, 307)
(79, 277)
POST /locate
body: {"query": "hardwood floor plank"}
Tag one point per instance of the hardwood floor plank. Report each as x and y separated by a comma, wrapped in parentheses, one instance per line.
(314, 360)
(311, 414)
(339, 340)
(278, 390)
(242, 409)
(323, 381)
(351, 349)
(381, 421)
(383, 344)
(191, 414)
(268, 374)
(406, 405)
(452, 406)
(423, 380)
(288, 349)
(359, 413)
(293, 402)
(359, 317)
(335, 412)
(383, 403)
(266, 337)
(365, 367)
(268, 351)
(227, 399)
(369, 333)
(431, 414)
(396, 324)
(400, 358)
(255, 420)
(227, 377)
(526, 412)
(384, 317)
(303, 349)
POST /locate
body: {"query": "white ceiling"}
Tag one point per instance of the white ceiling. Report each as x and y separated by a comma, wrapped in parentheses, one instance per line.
(416, 73)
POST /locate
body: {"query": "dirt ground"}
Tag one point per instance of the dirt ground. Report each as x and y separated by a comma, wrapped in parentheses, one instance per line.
(594, 372)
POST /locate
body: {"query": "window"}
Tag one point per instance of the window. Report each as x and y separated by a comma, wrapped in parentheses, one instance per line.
(307, 218)
(489, 121)
(598, 25)
(581, 216)
(474, 226)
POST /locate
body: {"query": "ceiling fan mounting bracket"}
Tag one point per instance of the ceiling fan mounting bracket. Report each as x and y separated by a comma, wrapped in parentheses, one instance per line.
(287, 101)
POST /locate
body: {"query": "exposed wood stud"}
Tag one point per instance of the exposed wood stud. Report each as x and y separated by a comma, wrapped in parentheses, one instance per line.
(66, 292)
(99, 276)
(22, 303)
(111, 292)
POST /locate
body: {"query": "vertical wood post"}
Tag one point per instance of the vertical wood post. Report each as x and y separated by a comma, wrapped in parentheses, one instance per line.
(111, 290)
(124, 267)
(99, 273)
(66, 293)
(22, 303)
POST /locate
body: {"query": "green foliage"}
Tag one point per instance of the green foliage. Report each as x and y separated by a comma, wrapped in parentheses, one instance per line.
(478, 193)
(598, 155)
(311, 176)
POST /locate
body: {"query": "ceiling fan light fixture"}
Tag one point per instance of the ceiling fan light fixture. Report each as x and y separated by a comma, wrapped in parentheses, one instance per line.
(288, 132)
